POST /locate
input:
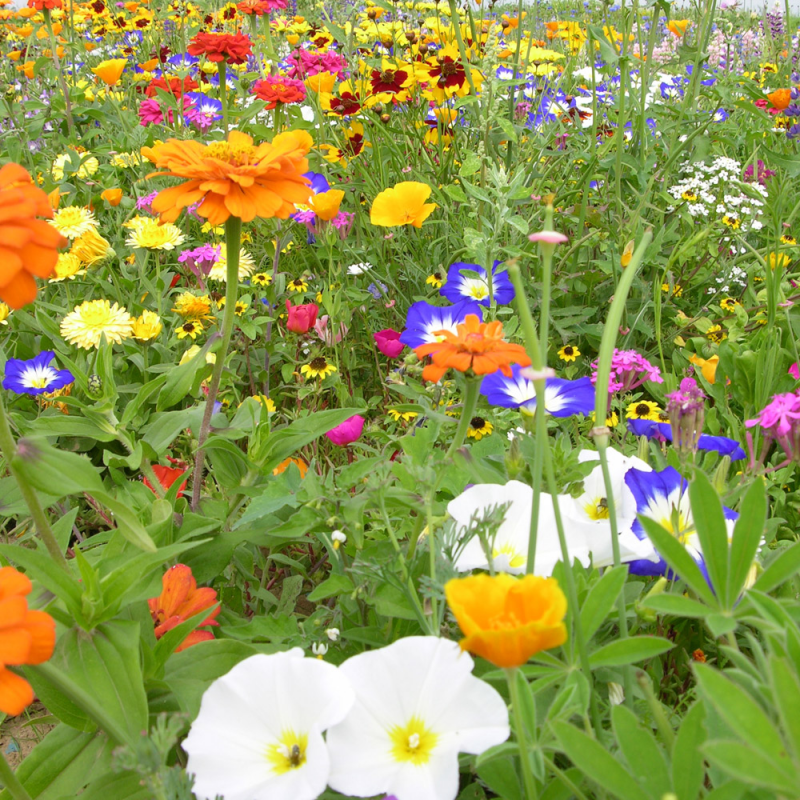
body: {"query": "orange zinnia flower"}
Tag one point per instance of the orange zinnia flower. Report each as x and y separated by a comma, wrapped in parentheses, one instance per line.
(477, 345)
(234, 178)
(26, 637)
(28, 246)
(179, 600)
(505, 619)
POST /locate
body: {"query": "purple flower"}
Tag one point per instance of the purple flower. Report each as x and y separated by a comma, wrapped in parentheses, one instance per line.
(201, 259)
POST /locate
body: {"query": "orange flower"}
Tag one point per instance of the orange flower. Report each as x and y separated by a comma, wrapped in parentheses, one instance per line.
(110, 71)
(780, 98)
(28, 246)
(234, 178)
(284, 465)
(179, 600)
(321, 83)
(477, 345)
(403, 204)
(505, 619)
(112, 196)
(678, 26)
(26, 637)
(326, 204)
(708, 366)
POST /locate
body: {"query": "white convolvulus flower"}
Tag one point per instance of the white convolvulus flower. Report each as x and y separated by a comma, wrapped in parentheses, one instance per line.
(332, 634)
(258, 735)
(319, 649)
(417, 707)
(339, 539)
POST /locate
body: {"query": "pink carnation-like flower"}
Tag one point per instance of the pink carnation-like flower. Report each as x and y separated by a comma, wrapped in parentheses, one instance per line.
(794, 371)
(348, 432)
(388, 342)
(629, 370)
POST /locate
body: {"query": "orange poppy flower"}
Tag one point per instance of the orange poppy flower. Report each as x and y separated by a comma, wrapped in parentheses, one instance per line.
(326, 204)
(708, 366)
(477, 345)
(26, 637)
(780, 98)
(112, 196)
(28, 246)
(110, 71)
(179, 600)
(284, 465)
(505, 619)
(234, 178)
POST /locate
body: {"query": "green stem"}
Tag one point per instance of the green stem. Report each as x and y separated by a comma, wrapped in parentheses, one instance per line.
(83, 700)
(461, 49)
(522, 738)
(57, 64)
(233, 236)
(223, 95)
(8, 449)
(467, 410)
(10, 781)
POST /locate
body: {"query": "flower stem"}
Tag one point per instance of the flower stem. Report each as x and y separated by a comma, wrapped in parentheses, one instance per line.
(10, 781)
(467, 410)
(233, 235)
(57, 64)
(522, 739)
(223, 96)
(8, 449)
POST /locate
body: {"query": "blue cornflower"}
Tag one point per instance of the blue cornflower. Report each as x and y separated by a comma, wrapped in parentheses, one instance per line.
(721, 444)
(35, 376)
(461, 287)
(424, 319)
(562, 398)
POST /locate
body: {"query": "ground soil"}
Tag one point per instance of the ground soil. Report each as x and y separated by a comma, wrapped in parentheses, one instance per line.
(19, 735)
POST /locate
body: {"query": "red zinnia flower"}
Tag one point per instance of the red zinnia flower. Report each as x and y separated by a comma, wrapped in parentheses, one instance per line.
(174, 86)
(275, 89)
(41, 5)
(232, 48)
(180, 599)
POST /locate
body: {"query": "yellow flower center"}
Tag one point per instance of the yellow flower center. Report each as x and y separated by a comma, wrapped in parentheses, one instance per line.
(237, 155)
(478, 291)
(413, 742)
(288, 753)
(515, 559)
(597, 509)
(39, 383)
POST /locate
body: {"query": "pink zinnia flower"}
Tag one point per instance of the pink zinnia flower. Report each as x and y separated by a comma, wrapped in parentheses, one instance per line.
(348, 432)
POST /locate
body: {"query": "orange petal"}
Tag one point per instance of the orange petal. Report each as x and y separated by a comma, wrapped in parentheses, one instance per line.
(15, 645)
(13, 582)
(42, 628)
(16, 693)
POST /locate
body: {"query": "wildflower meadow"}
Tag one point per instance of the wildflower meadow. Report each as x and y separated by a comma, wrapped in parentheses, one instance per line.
(400, 400)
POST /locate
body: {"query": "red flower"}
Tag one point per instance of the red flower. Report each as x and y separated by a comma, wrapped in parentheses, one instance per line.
(301, 318)
(180, 599)
(166, 477)
(388, 342)
(276, 89)
(175, 86)
(41, 5)
(232, 48)
(253, 7)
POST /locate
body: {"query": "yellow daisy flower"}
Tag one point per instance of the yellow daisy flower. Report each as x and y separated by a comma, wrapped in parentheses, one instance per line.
(261, 279)
(192, 327)
(297, 285)
(478, 428)
(90, 321)
(716, 334)
(435, 279)
(643, 409)
(568, 353)
(190, 306)
(318, 368)
(406, 416)
(73, 221)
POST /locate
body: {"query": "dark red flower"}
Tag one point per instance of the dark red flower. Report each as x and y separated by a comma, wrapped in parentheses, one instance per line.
(232, 48)
(389, 80)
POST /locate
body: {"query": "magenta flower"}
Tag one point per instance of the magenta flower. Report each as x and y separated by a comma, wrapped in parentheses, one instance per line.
(629, 370)
(388, 341)
(794, 371)
(150, 113)
(779, 421)
(348, 432)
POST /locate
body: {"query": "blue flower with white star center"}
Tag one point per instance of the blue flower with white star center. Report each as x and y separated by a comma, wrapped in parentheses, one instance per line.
(664, 497)
(35, 376)
(208, 106)
(470, 282)
(424, 320)
(721, 444)
(562, 398)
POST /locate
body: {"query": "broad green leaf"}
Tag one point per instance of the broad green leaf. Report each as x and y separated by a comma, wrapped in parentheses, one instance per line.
(785, 566)
(743, 715)
(688, 771)
(172, 639)
(645, 757)
(53, 471)
(601, 599)
(720, 624)
(333, 586)
(118, 786)
(676, 605)
(128, 522)
(180, 379)
(786, 690)
(500, 775)
(163, 429)
(679, 560)
(597, 763)
(620, 652)
(741, 762)
(709, 521)
(527, 705)
(63, 425)
(746, 538)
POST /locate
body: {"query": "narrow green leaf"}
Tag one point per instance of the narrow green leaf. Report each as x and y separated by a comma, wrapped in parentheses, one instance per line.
(786, 690)
(739, 761)
(128, 522)
(746, 538)
(53, 471)
(597, 763)
(679, 560)
(677, 605)
(645, 757)
(688, 771)
(601, 600)
(709, 521)
(785, 566)
(629, 651)
(172, 639)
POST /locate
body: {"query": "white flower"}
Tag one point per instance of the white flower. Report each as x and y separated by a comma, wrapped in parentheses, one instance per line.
(359, 269)
(339, 539)
(332, 634)
(510, 545)
(417, 707)
(319, 649)
(616, 694)
(258, 735)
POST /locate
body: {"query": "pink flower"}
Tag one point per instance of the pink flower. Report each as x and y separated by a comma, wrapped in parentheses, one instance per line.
(324, 332)
(388, 342)
(150, 113)
(301, 318)
(549, 237)
(794, 371)
(348, 432)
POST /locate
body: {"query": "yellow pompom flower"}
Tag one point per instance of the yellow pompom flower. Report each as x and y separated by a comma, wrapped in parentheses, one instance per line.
(149, 234)
(73, 221)
(90, 321)
(146, 327)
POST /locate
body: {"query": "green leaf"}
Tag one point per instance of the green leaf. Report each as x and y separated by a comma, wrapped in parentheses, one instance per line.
(180, 379)
(645, 758)
(333, 586)
(128, 522)
(601, 600)
(500, 775)
(676, 605)
(597, 763)
(746, 538)
(114, 786)
(629, 651)
(456, 193)
(712, 531)
(688, 771)
(785, 566)
(750, 767)
(160, 433)
(743, 715)
(290, 591)
(172, 639)
(786, 689)
(679, 560)
(53, 471)
(720, 624)
(63, 425)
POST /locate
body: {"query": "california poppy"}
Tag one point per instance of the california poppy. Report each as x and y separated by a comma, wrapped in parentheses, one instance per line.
(28, 246)
(476, 345)
(28, 637)
(403, 204)
(110, 71)
(505, 619)
(234, 178)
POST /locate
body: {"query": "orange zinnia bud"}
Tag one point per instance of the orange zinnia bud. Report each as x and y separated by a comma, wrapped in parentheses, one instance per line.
(28, 246)
(28, 638)
(506, 620)
(112, 196)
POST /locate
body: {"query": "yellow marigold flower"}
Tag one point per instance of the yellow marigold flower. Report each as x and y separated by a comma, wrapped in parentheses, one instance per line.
(568, 353)
(126, 160)
(643, 409)
(505, 619)
(73, 221)
(403, 204)
(67, 266)
(192, 327)
(190, 306)
(146, 327)
(479, 427)
(90, 321)
(5, 312)
(318, 368)
(779, 260)
(192, 352)
(149, 234)
(88, 165)
(91, 247)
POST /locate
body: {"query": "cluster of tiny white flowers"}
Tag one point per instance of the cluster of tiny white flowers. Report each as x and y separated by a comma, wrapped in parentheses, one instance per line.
(360, 268)
(716, 191)
(731, 281)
